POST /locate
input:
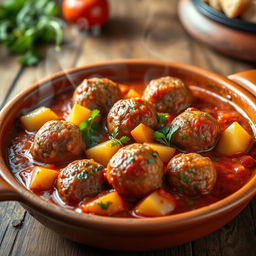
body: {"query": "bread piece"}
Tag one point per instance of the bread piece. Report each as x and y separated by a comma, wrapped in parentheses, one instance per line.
(215, 4)
(233, 8)
(249, 13)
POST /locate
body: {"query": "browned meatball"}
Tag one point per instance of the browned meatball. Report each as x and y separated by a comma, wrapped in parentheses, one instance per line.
(97, 93)
(191, 174)
(80, 179)
(57, 141)
(168, 94)
(197, 131)
(127, 114)
(134, 171)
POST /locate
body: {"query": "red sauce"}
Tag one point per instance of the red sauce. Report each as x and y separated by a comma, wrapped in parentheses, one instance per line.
(233, 172)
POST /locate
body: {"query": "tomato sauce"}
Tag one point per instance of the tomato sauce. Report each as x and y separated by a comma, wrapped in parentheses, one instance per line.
(233, 172)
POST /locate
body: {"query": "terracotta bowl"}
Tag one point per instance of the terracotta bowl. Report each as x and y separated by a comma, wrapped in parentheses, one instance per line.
(225, 39)
(128, 233)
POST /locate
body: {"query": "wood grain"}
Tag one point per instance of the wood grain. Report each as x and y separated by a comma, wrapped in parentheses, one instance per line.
(137, 29)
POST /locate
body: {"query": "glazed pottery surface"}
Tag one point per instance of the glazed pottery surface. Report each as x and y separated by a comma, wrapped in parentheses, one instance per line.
(128, 233)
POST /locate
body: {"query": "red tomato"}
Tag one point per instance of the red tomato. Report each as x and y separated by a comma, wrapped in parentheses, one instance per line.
(86, 13)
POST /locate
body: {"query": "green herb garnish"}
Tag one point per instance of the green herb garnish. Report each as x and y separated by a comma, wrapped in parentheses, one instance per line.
(26, 24)
(90, 129)
(161, 118)
(164, 134)
(115, 141)
(192, 170)
(104, 206)
(97, 169)
(184, 178)
(151, 161)
(82, 175)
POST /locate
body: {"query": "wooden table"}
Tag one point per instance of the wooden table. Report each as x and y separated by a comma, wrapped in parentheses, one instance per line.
(137, 29)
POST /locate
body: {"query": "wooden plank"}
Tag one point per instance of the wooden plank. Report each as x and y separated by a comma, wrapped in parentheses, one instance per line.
(152, 31)
(10, 71)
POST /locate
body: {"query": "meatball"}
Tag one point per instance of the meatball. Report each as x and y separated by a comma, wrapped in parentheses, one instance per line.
(57, 141)
(191, 174)
(135, 171)
(168, 94)
(197, 131)
(97, 93)
(80, 179)
(127, 114)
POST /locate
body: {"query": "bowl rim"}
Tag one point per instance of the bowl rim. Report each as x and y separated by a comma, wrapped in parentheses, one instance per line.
(190, 218)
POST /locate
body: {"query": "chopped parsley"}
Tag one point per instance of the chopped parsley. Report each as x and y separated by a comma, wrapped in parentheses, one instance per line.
(90, 129)
(184, 178)
(192, 170)
(164, 134)
(115, 141)
(151, 161)
(161, 118)
(97, 169)
(82, 175)
(104, 206)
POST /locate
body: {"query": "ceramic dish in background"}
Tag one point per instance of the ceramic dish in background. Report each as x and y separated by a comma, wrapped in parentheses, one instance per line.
(233, 37)
(128, 233)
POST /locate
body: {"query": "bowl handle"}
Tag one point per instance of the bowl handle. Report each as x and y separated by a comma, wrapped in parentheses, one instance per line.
(247, 79)
(7, 193)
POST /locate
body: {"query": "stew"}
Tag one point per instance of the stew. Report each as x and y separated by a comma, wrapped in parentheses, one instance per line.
(133, 150)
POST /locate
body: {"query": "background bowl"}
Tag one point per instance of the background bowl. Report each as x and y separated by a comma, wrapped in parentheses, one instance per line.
(233, 37)
(127, 233)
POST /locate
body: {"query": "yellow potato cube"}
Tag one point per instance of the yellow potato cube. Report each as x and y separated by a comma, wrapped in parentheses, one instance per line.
(103, 152)
(42, 178)
(165, 152)
(132, 94)
(235, 139)
(108, 204)
(34, 120)
(78, 114)
(143, 133)
(158, 203)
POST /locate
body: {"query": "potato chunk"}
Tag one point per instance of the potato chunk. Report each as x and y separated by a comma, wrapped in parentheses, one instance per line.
(37, 118)
(102, 152)
(158, 203)
(235, 139)
(132, 94)
(42, 178)
(165, 152)
(78, 114)
(107, 205)
(143, 133)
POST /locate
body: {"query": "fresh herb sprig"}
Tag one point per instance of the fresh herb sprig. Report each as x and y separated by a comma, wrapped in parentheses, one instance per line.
(26, 24)
(161, 118)
(90, 129)
(115, 141)
(164, 134)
